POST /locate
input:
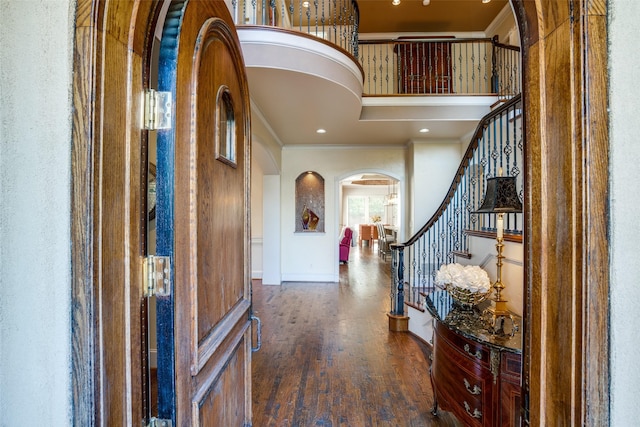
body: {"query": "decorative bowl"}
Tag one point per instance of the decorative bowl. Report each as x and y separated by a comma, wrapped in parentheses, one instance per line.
(465, 297)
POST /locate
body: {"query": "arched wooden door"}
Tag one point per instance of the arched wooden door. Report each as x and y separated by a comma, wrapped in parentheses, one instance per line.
(204, 333)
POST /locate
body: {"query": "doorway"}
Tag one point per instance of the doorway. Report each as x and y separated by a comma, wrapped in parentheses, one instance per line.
(371, 206)
(101, 240)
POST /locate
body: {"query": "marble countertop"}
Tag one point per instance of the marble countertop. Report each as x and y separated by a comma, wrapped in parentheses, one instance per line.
(472, 324)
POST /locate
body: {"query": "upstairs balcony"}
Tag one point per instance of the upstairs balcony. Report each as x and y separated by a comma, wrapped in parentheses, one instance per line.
(309, 68)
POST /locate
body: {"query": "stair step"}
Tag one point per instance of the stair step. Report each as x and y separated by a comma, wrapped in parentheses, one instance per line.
(462, 254)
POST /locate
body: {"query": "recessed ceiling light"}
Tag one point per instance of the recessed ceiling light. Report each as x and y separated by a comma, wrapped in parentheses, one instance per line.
(395, 2)
(321, 131)
(424, 130)
(486, 1)
(306, 4)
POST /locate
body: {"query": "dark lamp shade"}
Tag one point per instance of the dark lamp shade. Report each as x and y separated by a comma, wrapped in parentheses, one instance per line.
(501, 196)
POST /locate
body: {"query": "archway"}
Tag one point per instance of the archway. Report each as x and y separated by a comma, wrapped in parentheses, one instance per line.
(564, 45)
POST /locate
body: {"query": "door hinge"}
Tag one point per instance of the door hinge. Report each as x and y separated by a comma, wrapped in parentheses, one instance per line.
(157, 110)
(158, 422)
(156, 278)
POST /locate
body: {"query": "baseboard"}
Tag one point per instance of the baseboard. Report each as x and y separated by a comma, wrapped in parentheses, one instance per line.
(317, 278)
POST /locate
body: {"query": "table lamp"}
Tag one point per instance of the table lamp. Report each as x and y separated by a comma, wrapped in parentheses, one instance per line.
(501, 198)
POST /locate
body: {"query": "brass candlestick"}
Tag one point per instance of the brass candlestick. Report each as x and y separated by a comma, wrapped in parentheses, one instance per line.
(500, 307)
(498, 313)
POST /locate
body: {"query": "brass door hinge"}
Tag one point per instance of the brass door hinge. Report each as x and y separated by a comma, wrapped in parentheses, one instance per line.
(156, 278)
(157, 110)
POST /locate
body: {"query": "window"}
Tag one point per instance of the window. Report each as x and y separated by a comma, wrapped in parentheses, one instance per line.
(360, 209)
(225, 128)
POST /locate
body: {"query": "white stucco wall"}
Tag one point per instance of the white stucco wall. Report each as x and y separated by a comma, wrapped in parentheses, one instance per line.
(624, 204)
(270, 215)
(484, 253)
(35, 89)
(435, 164)
(314, 256)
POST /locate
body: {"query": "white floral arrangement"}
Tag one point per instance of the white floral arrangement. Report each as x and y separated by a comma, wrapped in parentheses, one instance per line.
(471, 278)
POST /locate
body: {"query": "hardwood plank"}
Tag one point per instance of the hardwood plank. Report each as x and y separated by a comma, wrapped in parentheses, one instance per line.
(329, 359)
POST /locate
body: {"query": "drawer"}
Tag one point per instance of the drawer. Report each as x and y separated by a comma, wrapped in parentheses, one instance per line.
(510, 367)
(474, 351)
(461, 384)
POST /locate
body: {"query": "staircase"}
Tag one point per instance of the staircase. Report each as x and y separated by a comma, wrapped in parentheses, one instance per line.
(495, 150)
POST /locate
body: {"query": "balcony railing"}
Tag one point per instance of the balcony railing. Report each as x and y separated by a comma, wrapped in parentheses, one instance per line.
(494, 150)
(335, 21)
(402, 66)
(425, 66)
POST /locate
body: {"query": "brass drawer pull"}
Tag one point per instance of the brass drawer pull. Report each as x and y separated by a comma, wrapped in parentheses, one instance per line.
(475, 414)
(474, 391)
(478, 354)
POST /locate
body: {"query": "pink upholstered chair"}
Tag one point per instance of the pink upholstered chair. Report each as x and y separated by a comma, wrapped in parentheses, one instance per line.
(345, 245)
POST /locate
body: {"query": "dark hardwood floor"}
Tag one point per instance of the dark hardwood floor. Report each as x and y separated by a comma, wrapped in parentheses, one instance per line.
(329, 359)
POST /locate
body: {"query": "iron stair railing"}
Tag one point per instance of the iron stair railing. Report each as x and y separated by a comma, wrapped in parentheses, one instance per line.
(494, 150)
(440, 66)
(419, 65)
(335, 21)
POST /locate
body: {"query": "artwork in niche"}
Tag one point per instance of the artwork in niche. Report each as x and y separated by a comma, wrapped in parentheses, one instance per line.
(309, 202)
(309, 219)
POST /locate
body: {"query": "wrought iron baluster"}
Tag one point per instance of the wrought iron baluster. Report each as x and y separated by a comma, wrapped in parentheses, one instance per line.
(501, 125)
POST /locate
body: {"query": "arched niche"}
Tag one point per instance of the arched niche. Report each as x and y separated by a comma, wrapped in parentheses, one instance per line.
(310, 214)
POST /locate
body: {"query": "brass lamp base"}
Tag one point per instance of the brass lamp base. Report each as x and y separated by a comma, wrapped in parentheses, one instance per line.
(496, 316)
(499, 309)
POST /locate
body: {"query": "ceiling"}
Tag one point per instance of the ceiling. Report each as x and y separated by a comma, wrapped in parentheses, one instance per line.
(440, 16)
(294, 101)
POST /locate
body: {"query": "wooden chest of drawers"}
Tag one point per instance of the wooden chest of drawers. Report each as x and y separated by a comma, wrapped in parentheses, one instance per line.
(462, 378)
(477, 381)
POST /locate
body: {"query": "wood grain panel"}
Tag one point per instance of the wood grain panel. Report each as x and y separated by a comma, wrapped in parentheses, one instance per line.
(552, 14)
(219, 400)
(113, 237)
(82, 234)
(597, 7)
(532, 220)
(106, 149)
(211, 222)
(557, 233)
(220, 218)
(216, 335)
(595, 157)
(84, 15)
(566, 246)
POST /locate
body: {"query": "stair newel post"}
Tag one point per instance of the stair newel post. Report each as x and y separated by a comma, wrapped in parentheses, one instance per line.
(397, 320)
(399, 280)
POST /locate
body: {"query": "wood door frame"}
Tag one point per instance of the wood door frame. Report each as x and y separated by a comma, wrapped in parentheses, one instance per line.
(566, 344)
(566, 169)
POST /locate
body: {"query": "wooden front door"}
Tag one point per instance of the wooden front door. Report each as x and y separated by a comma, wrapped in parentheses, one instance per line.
(204, 327)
